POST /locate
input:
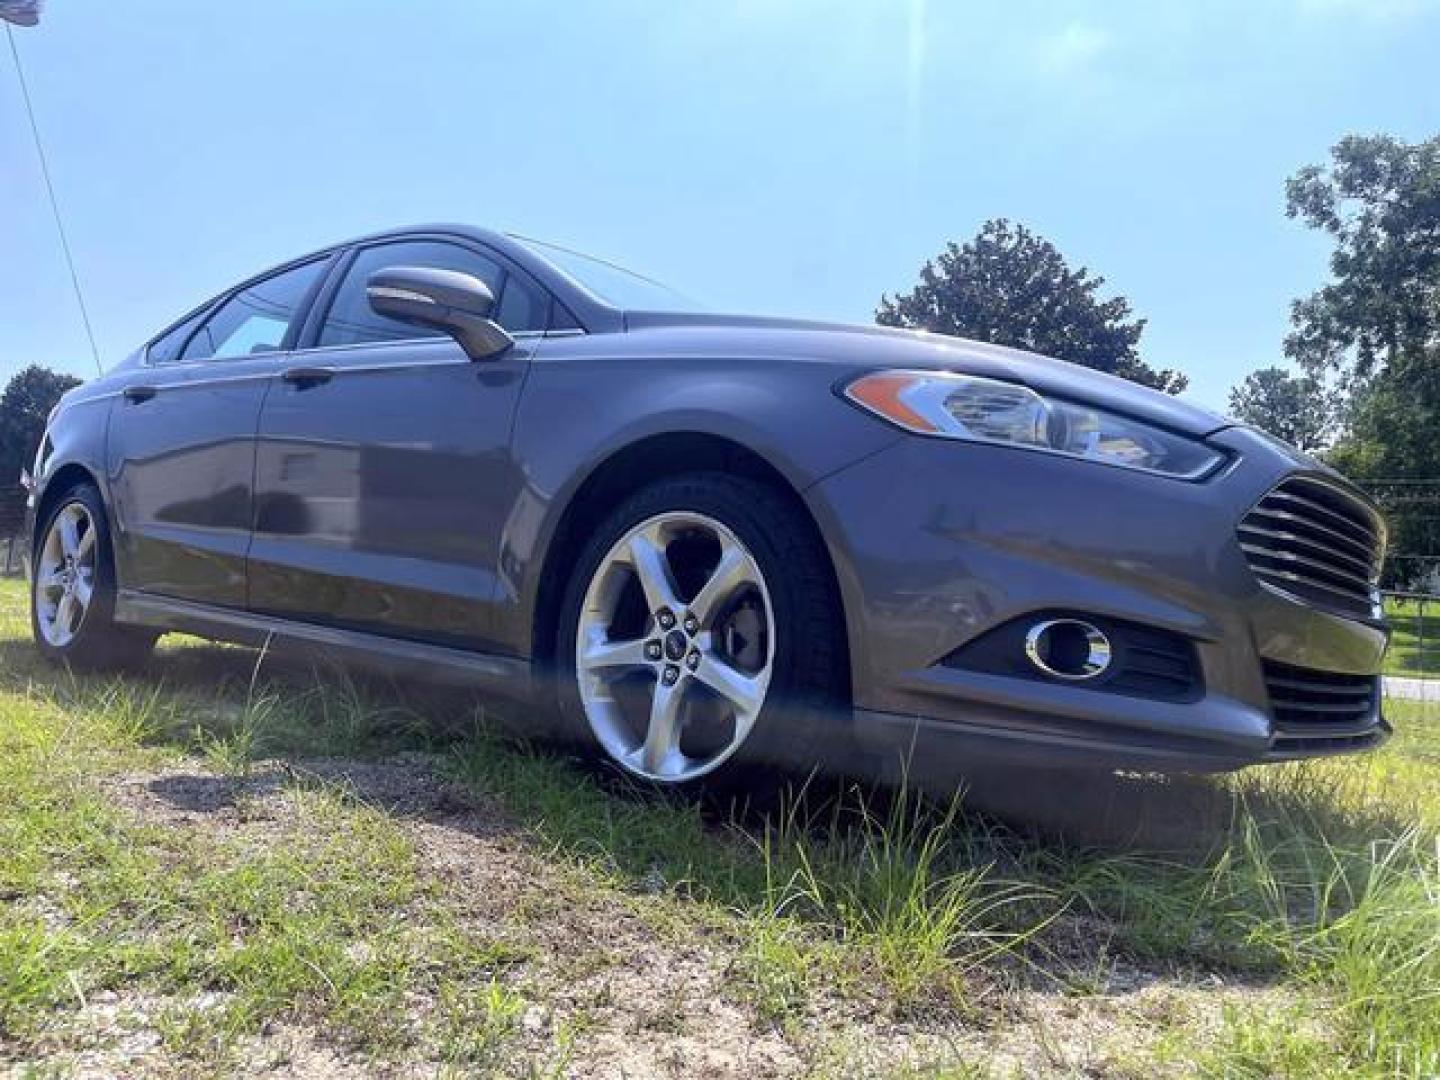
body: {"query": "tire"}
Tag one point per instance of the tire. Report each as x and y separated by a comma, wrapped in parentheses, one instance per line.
(72, 590)
(771, 618)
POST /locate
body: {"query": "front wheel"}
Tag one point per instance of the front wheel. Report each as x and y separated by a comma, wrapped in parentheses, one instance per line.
(700, 628)
(72, 601)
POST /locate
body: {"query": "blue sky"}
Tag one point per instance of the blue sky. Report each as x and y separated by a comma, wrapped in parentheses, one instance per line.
(783, 156)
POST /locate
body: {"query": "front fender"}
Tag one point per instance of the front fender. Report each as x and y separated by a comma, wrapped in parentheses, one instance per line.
(579, 411)
(73, 445)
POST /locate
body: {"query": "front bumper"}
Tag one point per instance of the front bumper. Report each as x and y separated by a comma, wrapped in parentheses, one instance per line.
(939, 543)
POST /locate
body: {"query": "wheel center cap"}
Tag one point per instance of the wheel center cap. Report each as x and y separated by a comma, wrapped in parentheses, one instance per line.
(675, 644)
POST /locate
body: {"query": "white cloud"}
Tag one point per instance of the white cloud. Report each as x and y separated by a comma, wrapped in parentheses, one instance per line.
(1073, 49)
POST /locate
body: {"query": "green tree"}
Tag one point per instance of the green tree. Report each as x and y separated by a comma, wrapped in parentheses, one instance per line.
(1377, 321)
(1394, 425)
(1010, 286)
(24, 407)
(1380, 201)
(1294, 408)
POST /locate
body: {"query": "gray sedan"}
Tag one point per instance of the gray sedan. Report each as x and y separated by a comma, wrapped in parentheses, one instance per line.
(702, 539)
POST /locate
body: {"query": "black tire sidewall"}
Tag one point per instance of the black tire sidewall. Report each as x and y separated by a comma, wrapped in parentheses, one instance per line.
(806, 674)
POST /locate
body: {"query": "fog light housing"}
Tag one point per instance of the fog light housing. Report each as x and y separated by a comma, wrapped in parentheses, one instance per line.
(1144, 661)
(1068, 649)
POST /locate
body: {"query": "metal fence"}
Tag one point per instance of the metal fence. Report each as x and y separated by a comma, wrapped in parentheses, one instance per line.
(1412, 579)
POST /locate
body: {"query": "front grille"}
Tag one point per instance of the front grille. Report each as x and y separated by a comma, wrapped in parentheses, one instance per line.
(1317, 708)
(1316, 542)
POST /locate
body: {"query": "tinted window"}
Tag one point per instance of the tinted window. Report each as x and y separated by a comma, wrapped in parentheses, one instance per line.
(257, 318)
(166, 348)
(523, 306)
(560, 317)
(352, 321)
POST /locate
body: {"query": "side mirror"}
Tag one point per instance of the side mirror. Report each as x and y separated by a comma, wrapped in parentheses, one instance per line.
(447, 300)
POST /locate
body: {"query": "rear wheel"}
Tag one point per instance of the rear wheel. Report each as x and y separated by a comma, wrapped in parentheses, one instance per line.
(72, 603)
(699, 631)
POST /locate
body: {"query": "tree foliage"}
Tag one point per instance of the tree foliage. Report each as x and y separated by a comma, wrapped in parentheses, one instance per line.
(1380, 201)
(1394, 435)
(1010, 286)
(24, 408)
(1294, 408)
(1377, 322)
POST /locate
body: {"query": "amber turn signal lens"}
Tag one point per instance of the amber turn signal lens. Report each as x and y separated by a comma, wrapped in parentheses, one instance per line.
(880, 393)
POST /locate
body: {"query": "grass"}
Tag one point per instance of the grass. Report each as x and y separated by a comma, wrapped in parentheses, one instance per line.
(1314, 888)
(1415, 645)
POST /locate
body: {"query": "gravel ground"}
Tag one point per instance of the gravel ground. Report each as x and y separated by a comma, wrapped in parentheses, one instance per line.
(647, 994)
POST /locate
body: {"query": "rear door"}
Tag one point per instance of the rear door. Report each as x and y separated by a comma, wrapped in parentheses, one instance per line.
(383, 470)
(181, 445)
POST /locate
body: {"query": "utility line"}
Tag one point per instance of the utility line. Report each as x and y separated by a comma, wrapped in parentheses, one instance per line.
(54, 203)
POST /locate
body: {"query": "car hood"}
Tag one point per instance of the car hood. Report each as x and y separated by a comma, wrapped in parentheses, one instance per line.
(856, 347)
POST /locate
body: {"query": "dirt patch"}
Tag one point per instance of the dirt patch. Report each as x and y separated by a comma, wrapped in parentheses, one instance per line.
(612, 988)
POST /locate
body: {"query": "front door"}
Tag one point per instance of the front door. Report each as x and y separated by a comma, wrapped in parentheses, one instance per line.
(383, 470)
(181, 445)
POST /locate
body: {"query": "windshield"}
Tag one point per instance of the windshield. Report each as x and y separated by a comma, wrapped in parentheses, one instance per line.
(613, 284)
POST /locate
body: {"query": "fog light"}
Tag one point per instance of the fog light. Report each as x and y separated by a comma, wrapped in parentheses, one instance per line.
(1068, 649)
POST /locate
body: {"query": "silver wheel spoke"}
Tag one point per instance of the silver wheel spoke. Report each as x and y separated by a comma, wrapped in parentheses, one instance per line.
(86, 547)
(69, 535)
(735, 569)
(662, 737)
(605, 655)
(84, 590)
(65, 615)
(653, 569)
(745, 692)
(48, 580)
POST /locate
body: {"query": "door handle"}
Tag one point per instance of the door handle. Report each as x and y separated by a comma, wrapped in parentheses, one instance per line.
(304, 377)
(137, 394)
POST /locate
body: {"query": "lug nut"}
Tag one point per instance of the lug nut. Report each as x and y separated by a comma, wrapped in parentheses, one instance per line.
(665, 619)
(652, 650)
(671, 674)
(691, 624)
(693, 660)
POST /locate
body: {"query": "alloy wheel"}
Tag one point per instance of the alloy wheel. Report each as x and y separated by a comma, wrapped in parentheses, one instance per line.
(65, 575)
(675, 647)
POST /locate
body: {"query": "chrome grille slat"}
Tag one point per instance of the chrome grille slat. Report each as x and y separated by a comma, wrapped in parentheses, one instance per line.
(1304, 580)
(1360, 582)
(1263, 511)
(1316, 542)
(1361, 566)
(1365, 534)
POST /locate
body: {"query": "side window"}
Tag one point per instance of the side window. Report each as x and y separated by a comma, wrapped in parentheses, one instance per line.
(257, 318)
(166, 348)
(351, 320)
(560, 317)
(523, 305)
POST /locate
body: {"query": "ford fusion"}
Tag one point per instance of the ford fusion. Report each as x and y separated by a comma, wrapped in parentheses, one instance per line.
(697, 539)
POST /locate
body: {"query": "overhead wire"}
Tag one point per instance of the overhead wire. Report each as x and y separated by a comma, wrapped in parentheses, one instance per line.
(54, 202)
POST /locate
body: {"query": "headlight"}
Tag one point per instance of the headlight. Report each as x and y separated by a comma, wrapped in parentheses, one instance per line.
(951, 406)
